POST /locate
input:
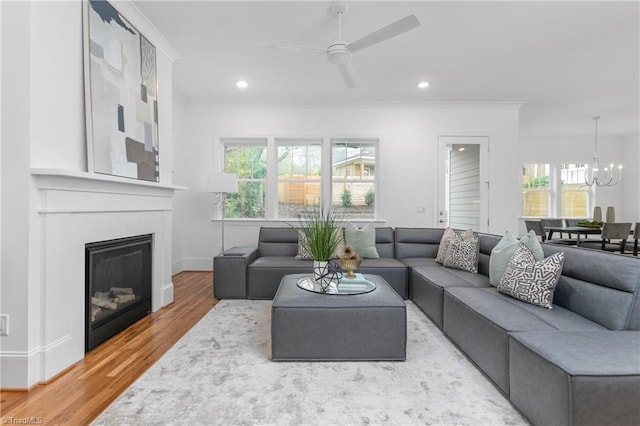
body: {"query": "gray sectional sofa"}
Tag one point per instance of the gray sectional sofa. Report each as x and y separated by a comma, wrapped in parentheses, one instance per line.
(576, 364)
(255, 272)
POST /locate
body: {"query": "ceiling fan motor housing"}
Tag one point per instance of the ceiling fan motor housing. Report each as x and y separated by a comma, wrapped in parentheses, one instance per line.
(338, 53)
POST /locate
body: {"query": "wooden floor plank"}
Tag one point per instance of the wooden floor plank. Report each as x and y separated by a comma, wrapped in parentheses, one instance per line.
(86, 389)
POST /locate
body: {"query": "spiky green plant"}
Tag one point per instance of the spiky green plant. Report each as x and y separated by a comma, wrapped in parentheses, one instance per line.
(322, 232)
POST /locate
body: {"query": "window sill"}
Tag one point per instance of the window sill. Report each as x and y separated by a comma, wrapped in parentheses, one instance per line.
(283, 222)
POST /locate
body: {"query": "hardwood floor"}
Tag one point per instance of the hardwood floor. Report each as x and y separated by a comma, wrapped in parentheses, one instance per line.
(87, 388)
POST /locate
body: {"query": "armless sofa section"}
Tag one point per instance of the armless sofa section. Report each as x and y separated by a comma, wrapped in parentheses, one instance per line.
(576, 364)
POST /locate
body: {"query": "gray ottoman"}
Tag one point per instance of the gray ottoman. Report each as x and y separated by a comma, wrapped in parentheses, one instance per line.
(307, 326)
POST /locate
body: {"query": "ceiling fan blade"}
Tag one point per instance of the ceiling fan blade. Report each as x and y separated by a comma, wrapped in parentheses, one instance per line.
(348, 75)
(290, 47)
(385, 33)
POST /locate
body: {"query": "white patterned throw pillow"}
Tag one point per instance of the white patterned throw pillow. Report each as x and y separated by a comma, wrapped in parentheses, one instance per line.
(462, 252)
(502, 252)
(530, 280)
(447, 235)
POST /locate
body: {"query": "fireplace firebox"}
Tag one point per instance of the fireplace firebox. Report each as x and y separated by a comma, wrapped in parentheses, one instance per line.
(117, 286)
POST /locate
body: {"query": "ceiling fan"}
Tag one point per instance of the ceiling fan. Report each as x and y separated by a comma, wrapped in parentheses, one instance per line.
(340, 51)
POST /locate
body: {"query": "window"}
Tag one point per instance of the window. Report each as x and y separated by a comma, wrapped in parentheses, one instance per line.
(299, 177)
(536, 190)
(280, 177)
(555, 190)
(574, 193)
(353, 165)
(248, 160)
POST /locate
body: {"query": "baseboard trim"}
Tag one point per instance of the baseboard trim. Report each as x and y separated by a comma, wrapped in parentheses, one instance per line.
(176, 267)
(22, 370)
(197, 264)
(167, 293)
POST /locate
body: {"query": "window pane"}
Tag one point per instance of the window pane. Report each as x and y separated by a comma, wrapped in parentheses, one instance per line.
(574, 199)
(353, 165)
(535, 176)
(299, 161)
(575, 204)
(536, 190)
(294, 197)
(249, 163)
(299, 164)
(248, 202)
(246, 161)
(536, 203)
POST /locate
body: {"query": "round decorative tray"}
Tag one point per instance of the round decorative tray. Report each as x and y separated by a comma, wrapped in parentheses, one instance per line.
(346, 286)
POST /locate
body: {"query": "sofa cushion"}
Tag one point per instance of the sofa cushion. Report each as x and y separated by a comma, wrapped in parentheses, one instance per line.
(588, 377)
(265, 273)
(502, 252)
(281, 262)
(278, 241)
(603, 287)
(363, 240)
(480, 320)
(513, 315)
(428, 282)
(464, 277)
(417, 242)
(529, 280)
(385, 242)
(414, 262)
(463, 253)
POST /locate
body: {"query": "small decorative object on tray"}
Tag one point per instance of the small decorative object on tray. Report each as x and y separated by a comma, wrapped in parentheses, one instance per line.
(594, 224)
(349, 260)
(326, 274)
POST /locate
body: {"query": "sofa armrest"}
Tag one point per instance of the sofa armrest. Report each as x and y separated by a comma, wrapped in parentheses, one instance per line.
(230, 272)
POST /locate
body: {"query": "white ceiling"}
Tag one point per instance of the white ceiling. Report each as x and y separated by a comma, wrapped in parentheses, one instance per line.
(567, 61)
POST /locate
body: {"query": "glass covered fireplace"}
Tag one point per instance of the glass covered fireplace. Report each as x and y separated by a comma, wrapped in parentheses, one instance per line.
(118, 286)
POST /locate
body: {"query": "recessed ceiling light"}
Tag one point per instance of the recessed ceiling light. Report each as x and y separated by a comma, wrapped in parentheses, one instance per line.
(462, 148)
(423, 85)
(242, 84)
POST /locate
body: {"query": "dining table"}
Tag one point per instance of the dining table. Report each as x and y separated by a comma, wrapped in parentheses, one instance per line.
(578, 230)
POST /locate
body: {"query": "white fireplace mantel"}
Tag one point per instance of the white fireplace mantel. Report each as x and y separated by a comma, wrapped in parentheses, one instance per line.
(76, 181)
(70, 209)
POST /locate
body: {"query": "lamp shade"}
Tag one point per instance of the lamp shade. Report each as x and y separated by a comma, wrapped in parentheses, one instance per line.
(222, 182)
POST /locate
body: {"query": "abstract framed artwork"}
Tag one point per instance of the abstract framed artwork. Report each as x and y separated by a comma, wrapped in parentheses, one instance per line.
(121, 95)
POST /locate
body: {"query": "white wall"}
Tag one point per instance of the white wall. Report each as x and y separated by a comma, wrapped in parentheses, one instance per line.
(43, 126)
(408, 161)
(16, 92)
(631, 183)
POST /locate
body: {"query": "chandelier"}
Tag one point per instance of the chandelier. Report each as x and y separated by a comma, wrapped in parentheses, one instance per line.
(603, 177)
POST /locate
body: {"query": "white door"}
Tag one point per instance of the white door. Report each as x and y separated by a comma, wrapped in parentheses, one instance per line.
(463, 187)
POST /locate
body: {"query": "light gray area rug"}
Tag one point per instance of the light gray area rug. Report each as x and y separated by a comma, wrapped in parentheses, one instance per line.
(220, 372)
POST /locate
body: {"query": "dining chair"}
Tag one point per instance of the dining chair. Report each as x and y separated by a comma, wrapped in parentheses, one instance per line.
(573, 222)
(611, 231)
(557, 223)
(636, 236)
(552, 222)
(536, 226)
